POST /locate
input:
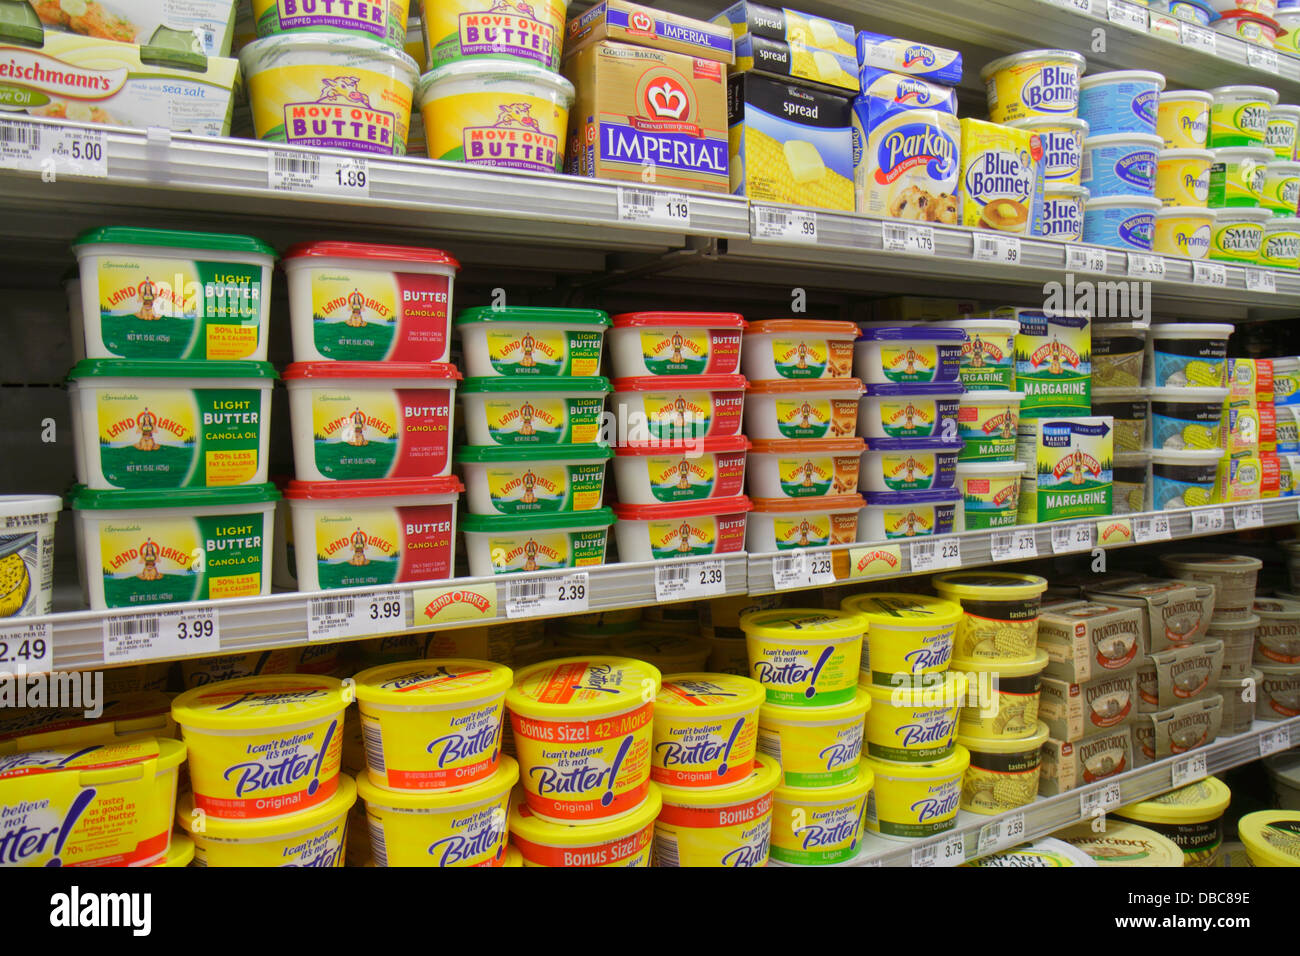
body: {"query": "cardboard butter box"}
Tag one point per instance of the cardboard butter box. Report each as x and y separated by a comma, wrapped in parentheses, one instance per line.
(795, 61)
(1070, 764)
(1070, 466)
(646, 27)
(1177, 730)
(1089, 640)
(1074, 711)
(1178, 675)
(1174, 613)
(790, 26)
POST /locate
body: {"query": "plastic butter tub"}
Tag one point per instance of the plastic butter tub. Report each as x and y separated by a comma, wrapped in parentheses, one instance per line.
(792, 468)
(914, 801)
(805, 658)
(798, 349)
(1238, 712)
(891, 515)
(1279, 247)
(829, 829)
(1187, 418)
(823, 408)
(683, 529)
(987, 353)
(1272, 837)
(550, 411)
(1118, 350)
(1000, 613)
(1120, 164)
(263, 746)
(583, 732)
(1043, 852)
(170, 424)
(1004, 697)
(1281, 190)
(909, 411)
(503, 115)
(143, 547)
(1063, 211)
(1183, 118)
(343, 92)
(532, 342)
(383, 21)
(1280, 134)
(1239, 115)
(1129, 409)
(432, 724)
(907, 634)
(167, 294)
(622, 842)
(989, 494)
(909, 465)
(355, 302)
(908, 355)
(1123, 101)
(508, 544)
(1121, 222)
(27, 554)
(1033, 83)
(1234, 577)
(815, 747)
(916, 723)
(474, 29)
(987, 423)
(1183, 479)
(1279, 692)
(1186, 354)
(1238, 234)
(1123, 844)
(708, 469)
(1237, 176)
(1184, 231)
(779, 524)
(705, 731)
(1003, 774)
(663, 409)
(731, 827)
(1277, 638)
(1191, 816)
(180, 853)
(675, 343)
(1062, 141)
(533, 479)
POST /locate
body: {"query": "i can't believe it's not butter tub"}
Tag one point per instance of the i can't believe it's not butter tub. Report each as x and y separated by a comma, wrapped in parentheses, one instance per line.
(524, 341)
(804, 658)
(911, 801)
(815, 747)
(676, 343)
(907, 634)
(626, 841)
(705, 730)
(730, 827)
(820, 827)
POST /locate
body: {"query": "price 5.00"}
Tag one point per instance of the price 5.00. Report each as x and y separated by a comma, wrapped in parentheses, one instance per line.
(90, 152)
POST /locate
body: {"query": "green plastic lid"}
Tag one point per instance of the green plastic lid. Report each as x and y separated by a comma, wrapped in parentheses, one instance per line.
(485, 313)
(491, 454)
(175, 239)
(556, 521)
(170, 368)
(558, 383)
(89, 499)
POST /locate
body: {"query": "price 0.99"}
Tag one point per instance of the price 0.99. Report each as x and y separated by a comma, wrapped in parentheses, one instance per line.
(20, 652)
(572, 591)
(191, 630)
(385, 610)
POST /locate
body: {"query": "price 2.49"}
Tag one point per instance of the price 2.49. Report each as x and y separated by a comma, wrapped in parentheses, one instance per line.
(20, 652)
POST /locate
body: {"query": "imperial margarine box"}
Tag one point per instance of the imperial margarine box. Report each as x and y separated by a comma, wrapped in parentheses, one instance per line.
(790, 26)
(632, 23)
(796, 61)
(1071, 462)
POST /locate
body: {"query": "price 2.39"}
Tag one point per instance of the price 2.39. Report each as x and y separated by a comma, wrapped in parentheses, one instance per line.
(572, 591)
(710, 576)
(20, 652)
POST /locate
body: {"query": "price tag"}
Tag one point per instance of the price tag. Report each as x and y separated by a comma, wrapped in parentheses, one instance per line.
(789, 571)
(947, 852)
(319, 174)
(1248, 516)
(1143, 266)
(335, 616)
(1274, 741)
(654, 208)
(1196, 37)
(787, 225)
(1261, 58)
(26, 648)
(1153, 528)
(531, 597)
(67, 150)
(936, 555)
(1069, 538)
(820, 568)
(1079, 6)
(1018, 545)
(1105, 799)
(1212, 274)
(997, 249)
(1188, 770)
(1085, 259)
(1004, 831)
(683, 582)
(904, 237)
(1260, 280)
(184, 632)
(1209, 521)
(1126, 14)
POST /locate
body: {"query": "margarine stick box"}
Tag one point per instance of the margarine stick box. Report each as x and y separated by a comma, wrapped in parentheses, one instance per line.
(147, 22)
(1003, 170)
(909, 92)
(934, 63)
(790, 26)
(797, 62)
(789, 143)
(1053, 362)
(649, 116)
(1070, 462)
(632, 23)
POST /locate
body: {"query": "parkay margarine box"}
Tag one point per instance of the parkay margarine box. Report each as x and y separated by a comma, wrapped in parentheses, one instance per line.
(640, 111)
(1071, 460)
(655, 29)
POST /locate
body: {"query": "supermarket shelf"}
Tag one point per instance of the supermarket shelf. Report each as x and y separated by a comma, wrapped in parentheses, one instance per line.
(865, 562)
(1049, 814)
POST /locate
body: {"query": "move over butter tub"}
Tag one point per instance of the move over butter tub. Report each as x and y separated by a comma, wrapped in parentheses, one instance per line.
(627, 840)
(508, 544)
(657, 532)
(913, 801)
(675, 343)
(384, 21)
(460, 29)
(798, 349)
(529, 342)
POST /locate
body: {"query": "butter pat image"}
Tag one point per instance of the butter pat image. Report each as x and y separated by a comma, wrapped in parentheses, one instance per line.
(1067, 765)
(1074, 711)
(1089, 640)
(789, 143)
(791, 26)
(906, 161)
(1002, 169)
(796, 61)
(647, 27)
(934, 63)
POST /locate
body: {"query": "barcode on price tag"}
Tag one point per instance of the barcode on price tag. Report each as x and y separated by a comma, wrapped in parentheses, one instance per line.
(787, 225)
(936, 555)
(1208, 521)
(789, 571)
(1248, 516)
(1260, 280)
(996, 249)
(152, 635)
(1005, 831)
(949, 851)
(900, 237)
(1188, 770)
(683, 582)
(26, 648)
(1261, 58)
(1085, 259)
(1209, 273)
(62, 150)
(653, 207)
(530, 597)
(1117, 11)
(1196, 37)
(1153, 528)
(1105, 799)
(336, 616)
(322, 174)
(1019, 545)
(1146, 267)
(1071, 537)
(1274, 741)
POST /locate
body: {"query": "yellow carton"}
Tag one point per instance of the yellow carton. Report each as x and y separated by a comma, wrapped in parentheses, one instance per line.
(1000, 171)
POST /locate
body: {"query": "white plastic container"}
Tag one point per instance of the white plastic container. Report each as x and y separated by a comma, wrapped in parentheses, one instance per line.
(1281, 133)
(675, 343)
(908, 355)
(790, 468)
(1188, 354)
(799, 349)
(782, 524)
(893, 516)
(1122, 101)
(1120, 164)
(659, 408)
(657, 473)
(910, 411)
(529, 342)
(989, 494)
(510, 544)
(1183, 479)
(659, 532)
(27, 554)
(1187, 418)
(536, 479)
(823, 408)
(909, 464)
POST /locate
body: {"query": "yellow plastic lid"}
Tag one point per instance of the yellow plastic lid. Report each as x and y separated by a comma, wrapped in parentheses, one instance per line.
(695, 694)
(432, 682)
(259, 701)
(849, 710)
(1001, 666)
(903, 610)
(1006, 745)
(764, 780)
(423, 801)
(951, 765)
(990, 585)
(582, 686)
(180, 853)
(855, 788)
(1044, 852)
(795, 624)
(951, 692)
(1123, 844)
(261, 829)
(513, 856)
(1271, 836)
(97, 762)
(1197, 802)
(544, 833)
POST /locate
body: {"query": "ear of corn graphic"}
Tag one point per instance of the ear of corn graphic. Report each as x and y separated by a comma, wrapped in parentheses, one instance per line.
(771, 179)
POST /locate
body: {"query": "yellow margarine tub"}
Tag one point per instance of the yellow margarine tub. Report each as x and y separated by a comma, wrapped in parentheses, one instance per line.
(915, 801)
(907, 634)
(1191, 816)
(915, 724)
(181, 852)
(432, 725)
(804, 658)
(1184, 231)
(820, 827)
(463, 827)
(1003, 774)
(1183, 177)
(815, 746)
(626, 841)
(1003, 699)
(532, 32)
(1000, 619)
(1272, 837)
(263, 746)
(106, 804)
(705, 730)
(1033, 83)
(1122, 844)
(583, 731)
(513, 856)
(728, 827)
(314, 837)
(1183, 118)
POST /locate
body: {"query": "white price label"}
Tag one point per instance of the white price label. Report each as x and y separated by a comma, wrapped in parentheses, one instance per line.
(1274, 741)
(1188, 770)
(787, 225)
(903, 237)
(949, 851)
(1153, 528)
(1085, 259)
(1069, 538)
(26, 648)
(321, 174)
(1197, 37)
(1018, 545)
(1105, 799)
(819, 567)
(531, 597)
(1143, 266)
(1209, 521)
(936, 555)
(1209, 273)
(996, 249)
(1117, 11)
(184, 632)
(1248, 516)
(1081, 6)
(1004, 831)
(1260, 280)
(654, 208)
(789, 571)
(1261, 58)
(337, 616)
(64, 150)
(684, 582)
